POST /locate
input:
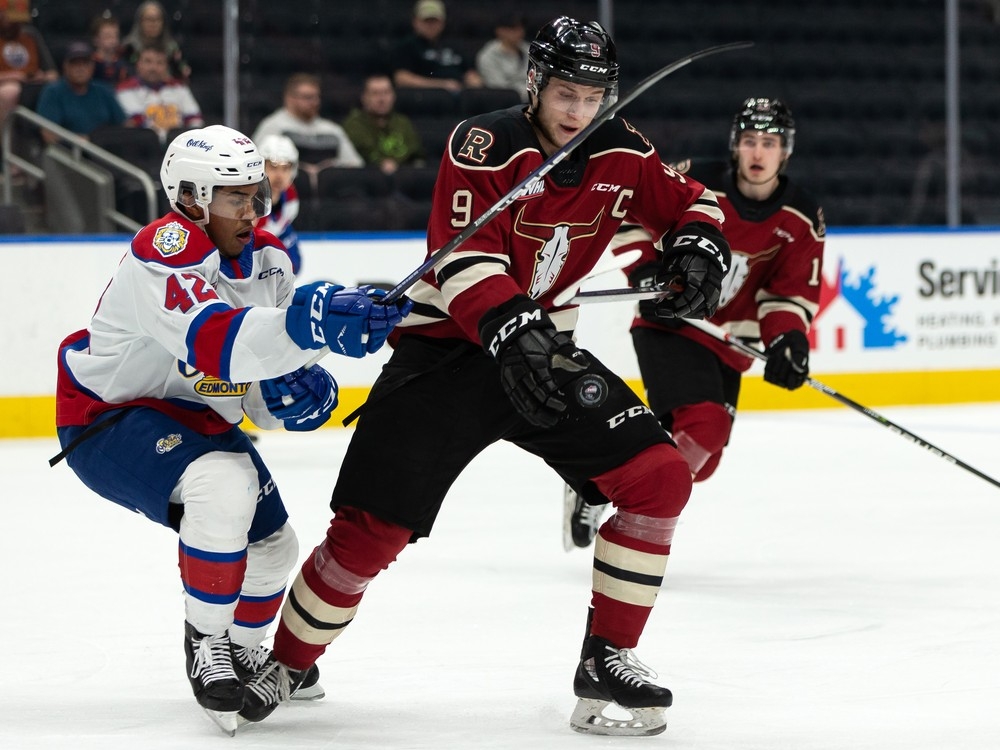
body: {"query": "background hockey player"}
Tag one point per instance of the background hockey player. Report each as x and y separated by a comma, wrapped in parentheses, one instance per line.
(771, 294)
(200, 325)
(281, 162)
(485, 356)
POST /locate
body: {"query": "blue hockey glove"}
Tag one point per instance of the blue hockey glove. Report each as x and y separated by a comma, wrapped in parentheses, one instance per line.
(305, 318)
(303, 399)
(350, 321)
(788, 360)
(383, 318)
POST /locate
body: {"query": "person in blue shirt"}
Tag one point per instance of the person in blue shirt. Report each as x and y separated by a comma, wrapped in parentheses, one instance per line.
(75, 101)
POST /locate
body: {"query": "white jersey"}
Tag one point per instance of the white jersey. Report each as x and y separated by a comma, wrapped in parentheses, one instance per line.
(169, 105)
(319, 131)
(183, 330)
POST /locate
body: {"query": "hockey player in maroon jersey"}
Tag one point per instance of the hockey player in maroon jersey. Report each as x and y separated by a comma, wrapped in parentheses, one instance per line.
(201, 325)
(770, 294)
(486, 356)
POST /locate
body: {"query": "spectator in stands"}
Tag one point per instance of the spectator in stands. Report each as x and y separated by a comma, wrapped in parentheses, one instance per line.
(24, 57)
(150, 28)
(300, 120)
(281, 164)
(152, 99)
(75, 101)
(384, 137)
(110, 66)
(502, 61)
(424, 60)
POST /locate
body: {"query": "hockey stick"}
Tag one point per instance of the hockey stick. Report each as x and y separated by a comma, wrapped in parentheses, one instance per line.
(616, 295)
(722, 335)
(627, 294)
(546, 166)
(612, 263)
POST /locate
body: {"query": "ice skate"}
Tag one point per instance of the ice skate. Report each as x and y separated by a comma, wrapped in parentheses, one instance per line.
(216, 686)
(610, 677)
(272, 684)
(248, 660)
(580, 520)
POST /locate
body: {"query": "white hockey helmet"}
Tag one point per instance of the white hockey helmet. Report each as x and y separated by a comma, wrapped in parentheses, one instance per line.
(280, 149)
(198, 161)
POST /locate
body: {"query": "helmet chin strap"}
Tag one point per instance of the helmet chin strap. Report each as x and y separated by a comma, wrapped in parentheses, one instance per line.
(534, 92)
(185, 209)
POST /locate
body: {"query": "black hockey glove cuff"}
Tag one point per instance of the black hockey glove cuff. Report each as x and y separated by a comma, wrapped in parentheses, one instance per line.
(650, 276)
(788, 360)
(695, 262)
(535, 359)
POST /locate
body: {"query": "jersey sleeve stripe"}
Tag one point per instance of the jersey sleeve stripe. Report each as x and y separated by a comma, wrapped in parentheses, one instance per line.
(210, 339)
(464, 261)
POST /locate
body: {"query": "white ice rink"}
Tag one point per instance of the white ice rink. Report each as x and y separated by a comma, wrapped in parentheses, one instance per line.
(833, 587)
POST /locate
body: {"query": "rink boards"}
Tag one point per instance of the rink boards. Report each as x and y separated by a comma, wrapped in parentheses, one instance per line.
(907, 317)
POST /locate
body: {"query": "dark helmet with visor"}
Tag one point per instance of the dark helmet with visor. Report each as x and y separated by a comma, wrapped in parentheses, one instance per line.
(575, 51)
(766, 116)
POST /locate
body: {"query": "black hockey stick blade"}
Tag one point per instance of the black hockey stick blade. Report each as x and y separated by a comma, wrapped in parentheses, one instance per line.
(546, 166)
(722, 335)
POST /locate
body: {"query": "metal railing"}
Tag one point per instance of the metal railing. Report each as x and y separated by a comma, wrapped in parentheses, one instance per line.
(78, 147)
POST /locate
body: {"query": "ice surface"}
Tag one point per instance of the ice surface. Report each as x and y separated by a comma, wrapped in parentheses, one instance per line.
(833, 587)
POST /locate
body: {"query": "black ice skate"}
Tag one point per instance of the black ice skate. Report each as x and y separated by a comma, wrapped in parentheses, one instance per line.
(248, 660)
(272, 684)
(580, 520)
(216, 686)
(611, 676)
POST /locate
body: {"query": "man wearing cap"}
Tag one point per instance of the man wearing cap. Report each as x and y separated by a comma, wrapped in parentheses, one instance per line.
(422, 60)
(75, 101)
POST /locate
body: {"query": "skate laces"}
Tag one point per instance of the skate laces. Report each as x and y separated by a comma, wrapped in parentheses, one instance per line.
(589, 515)
(213, 659)
(272, 684)
(251, 658)
(625, 665)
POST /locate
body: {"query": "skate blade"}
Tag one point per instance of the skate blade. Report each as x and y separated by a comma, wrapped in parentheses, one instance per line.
(589, 718)
(227, 721)
(569, 505)
(311, 693)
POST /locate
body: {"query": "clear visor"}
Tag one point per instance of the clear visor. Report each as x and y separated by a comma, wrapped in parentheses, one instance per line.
(577, 99)
(250, 203)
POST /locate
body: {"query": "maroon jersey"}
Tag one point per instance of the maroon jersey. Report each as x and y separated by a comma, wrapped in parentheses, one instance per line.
(554, 233)
(774, 280)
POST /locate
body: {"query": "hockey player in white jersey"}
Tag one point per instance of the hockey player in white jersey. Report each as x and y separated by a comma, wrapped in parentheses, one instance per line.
(199, 326)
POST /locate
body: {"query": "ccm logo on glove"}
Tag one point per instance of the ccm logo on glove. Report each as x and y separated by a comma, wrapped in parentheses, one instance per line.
(317, 312)
(514, 325)
(703, 243)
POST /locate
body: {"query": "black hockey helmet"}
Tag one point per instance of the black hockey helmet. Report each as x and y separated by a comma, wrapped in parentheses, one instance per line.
(765, 115)
(576, 51)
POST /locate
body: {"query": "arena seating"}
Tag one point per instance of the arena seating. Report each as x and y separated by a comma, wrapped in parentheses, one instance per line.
(864, 81)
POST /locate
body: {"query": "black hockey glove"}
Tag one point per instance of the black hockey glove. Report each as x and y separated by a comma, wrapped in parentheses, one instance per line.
(535, 359)
(788, 360)
(645, 277)
(695, 262)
